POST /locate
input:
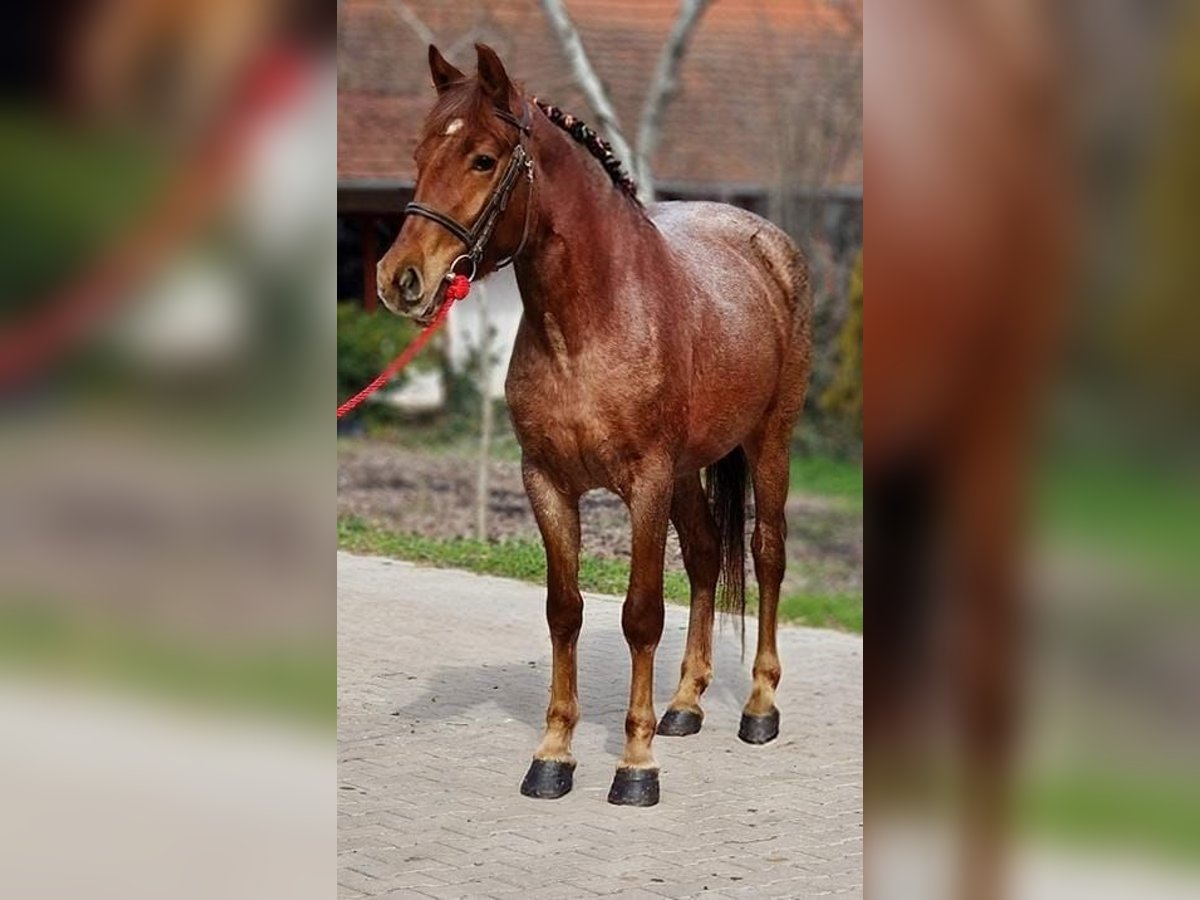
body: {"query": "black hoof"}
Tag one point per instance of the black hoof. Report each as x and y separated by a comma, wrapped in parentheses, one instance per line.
(759, 729)
(679, 723)
(634, 787)
(548, 779)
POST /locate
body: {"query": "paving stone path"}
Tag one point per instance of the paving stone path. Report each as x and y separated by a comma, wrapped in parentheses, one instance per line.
(442, 684)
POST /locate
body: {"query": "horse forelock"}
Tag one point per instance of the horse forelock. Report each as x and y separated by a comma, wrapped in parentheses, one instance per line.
(465, 102)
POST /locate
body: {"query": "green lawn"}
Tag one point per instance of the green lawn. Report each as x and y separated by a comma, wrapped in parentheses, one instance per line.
(294, 681)
(1148, 809)
(67, 191)
(1136, 511)
(525, 560)
(827, 477)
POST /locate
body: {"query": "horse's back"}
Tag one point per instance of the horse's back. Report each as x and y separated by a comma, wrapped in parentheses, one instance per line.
(733, 254)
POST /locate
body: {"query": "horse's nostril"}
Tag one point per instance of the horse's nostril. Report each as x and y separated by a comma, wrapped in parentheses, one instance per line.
(410, 284)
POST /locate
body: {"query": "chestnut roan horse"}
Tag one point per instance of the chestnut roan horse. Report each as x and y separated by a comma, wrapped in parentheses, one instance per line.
(655, 342)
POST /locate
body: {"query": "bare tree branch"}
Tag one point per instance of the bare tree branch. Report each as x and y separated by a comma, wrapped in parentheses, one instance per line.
(408, 16)
(585, 76)
(424, 33)
(462, 43)
(662, 88)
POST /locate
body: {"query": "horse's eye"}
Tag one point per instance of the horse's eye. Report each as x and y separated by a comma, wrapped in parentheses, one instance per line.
(483, 164)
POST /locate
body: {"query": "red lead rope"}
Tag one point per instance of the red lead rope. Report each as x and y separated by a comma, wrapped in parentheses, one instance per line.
(457, 289)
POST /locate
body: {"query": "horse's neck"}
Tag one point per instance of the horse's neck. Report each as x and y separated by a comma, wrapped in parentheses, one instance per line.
(588, 238)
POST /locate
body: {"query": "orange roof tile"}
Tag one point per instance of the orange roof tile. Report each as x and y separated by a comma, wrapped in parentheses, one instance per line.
(757, 72)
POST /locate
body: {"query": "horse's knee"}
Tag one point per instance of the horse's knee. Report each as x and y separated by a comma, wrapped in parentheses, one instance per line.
(642, 620)
(564, 615)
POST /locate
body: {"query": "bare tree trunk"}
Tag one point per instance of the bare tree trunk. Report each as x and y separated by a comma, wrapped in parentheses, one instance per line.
(488, 415)
(587, 79)
(662, 88)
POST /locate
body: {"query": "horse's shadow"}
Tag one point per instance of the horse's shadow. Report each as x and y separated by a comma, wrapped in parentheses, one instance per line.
(519, 688)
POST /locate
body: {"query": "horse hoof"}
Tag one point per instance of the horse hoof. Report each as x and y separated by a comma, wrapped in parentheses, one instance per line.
(634, 787)
(679, 723)
(759, 729)
(548, 779)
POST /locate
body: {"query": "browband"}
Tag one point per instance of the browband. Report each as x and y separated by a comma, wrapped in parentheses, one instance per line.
(523, 124)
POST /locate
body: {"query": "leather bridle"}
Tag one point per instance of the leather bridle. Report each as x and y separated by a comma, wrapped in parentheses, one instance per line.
(476, 238)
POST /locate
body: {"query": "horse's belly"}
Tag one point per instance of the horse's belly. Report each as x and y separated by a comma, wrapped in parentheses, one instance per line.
(733, 384)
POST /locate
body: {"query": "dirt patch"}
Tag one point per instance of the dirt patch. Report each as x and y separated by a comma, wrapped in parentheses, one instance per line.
(434, 495)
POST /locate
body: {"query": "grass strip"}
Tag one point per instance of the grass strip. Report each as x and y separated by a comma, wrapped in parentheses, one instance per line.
(526, 561)
(294, 683)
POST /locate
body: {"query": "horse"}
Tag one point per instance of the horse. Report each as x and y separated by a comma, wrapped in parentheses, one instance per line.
(973, 192)
(655, 343)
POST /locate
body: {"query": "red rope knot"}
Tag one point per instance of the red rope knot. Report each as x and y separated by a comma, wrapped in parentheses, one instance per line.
(457, 289)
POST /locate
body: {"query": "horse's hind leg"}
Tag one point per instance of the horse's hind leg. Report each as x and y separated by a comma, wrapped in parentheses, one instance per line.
(768, 456)
(552, 771)
(702, 558)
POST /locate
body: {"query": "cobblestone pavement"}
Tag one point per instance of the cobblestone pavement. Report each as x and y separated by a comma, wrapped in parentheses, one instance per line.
(442, 684)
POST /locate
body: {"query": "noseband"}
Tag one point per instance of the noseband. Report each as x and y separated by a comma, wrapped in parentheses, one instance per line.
(477, 236)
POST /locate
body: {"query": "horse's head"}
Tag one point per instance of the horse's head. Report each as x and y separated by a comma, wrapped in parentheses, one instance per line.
(465, 147)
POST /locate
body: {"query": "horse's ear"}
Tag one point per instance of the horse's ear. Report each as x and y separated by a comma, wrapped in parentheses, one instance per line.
(492, 77)
(444, 73)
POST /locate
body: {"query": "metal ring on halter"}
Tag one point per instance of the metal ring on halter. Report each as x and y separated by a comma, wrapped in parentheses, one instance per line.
(454, 265)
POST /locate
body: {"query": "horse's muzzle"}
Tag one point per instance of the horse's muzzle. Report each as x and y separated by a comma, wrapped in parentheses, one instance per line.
(402, 292)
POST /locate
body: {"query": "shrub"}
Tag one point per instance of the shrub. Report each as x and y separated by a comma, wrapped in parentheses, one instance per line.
(367, 342)
(845, 395)
(831, 424)
(69, 194)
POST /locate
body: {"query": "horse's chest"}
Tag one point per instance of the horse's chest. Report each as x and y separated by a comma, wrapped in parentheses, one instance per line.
(583, 424)
(564, 419)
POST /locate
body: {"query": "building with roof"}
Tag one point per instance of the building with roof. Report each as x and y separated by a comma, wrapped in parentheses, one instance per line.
(767, 114)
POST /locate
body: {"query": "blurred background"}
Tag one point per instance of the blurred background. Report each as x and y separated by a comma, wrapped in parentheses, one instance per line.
(167, 261)
(166, 272)
(763, 109)
(1032, 691)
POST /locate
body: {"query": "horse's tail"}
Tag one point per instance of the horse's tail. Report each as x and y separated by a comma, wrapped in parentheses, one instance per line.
(726, 487)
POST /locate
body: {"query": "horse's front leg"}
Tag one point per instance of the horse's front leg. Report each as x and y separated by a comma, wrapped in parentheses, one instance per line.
(551, 774)
(649, 500)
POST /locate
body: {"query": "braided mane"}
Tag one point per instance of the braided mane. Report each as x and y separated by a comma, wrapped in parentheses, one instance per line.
(584, 135)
